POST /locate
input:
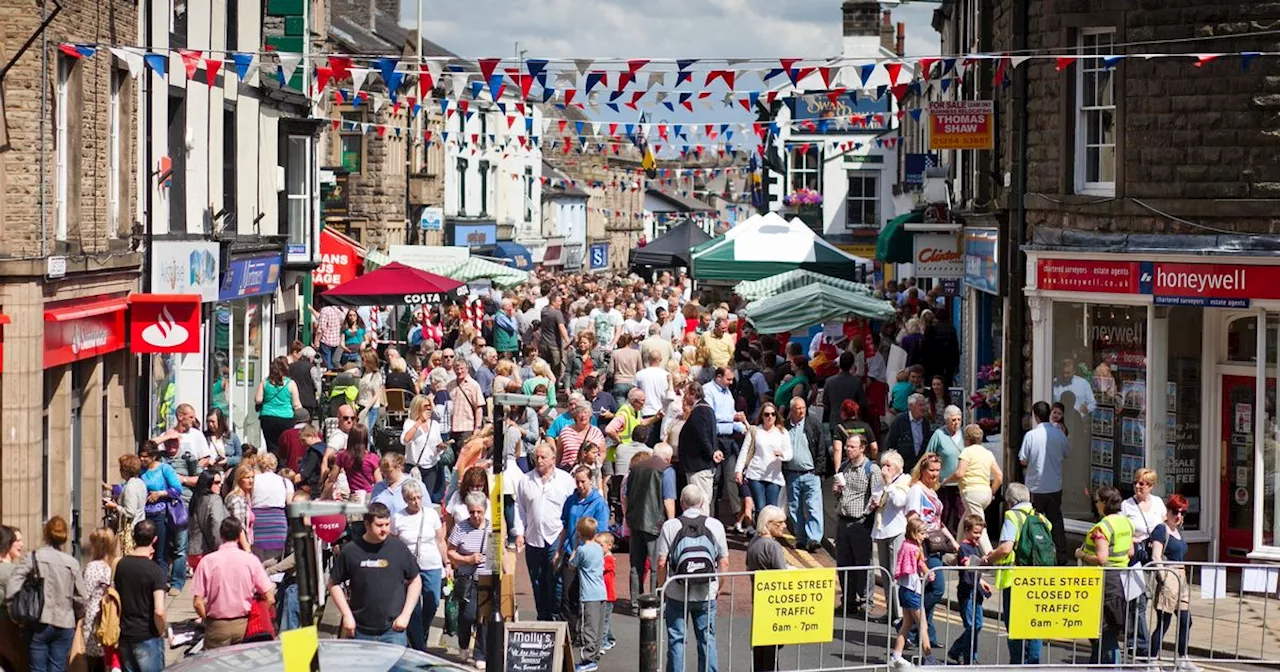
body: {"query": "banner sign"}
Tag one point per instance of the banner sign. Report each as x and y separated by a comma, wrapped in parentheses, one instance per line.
(185, 267)
(1171, 284)
(961, 124)
(981, 260)
(251, 276)
(1056, 603)
(842, 116)
(1081, 275)
(340, 258)
(915, 166)
(164, 323)
(77, 338)
(937, 255)
(475, 235)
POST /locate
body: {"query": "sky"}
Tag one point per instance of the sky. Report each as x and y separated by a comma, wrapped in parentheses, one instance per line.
(652, 29)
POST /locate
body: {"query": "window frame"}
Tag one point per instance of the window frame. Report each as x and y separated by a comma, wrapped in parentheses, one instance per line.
(115, 149)
(345, 132)
(298, 231)
(1089, 62)
(874, 176)
(815, 169)
(528, 194)
(483, 168)
(62, 146)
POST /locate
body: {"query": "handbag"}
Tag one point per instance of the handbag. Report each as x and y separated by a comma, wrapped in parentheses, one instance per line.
(938, 542)
(26, 605)
(260, 626)
(176, 511)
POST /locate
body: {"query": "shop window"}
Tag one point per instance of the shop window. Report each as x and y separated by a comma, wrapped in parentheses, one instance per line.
(805, 166)
(862, 201)
(1100, 376)
(1242, 339)
(1177, 461)
(1095, 157)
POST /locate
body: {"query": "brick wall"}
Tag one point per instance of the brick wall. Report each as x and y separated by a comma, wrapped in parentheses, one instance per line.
(21, 136)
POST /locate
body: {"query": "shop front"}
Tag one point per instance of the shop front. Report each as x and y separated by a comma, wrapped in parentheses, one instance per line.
(179, 375)
(983, 326)
(1166, 362)
(243, 339)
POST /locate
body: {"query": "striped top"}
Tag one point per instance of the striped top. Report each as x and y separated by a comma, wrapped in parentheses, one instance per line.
(469, 539)
(571, 441)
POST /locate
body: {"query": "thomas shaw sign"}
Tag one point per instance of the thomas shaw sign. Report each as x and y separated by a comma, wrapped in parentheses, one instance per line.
(961, 124)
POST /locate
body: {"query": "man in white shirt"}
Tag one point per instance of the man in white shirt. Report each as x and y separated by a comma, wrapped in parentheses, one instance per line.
(540, 498)
(1068, 381)
(614, 318)
(676, 315)
(1044, 450)
(335, 443)
(654, 381)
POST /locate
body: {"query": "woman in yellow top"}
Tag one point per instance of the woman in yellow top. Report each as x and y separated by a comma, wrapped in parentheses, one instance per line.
(1109, 545)
(979, 475)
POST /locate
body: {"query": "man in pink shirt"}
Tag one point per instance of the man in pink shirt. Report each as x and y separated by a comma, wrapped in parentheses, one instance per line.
(226, 584)
(468, 403)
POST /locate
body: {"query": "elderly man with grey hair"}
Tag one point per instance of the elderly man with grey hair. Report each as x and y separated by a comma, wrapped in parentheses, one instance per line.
(1018, 500)
(909, 432)
(485, 373)
(946, 442)
(684, 544)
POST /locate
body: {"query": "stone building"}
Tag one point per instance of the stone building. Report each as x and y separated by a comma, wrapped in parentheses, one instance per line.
(69, 227)
(615, 211)
(1136, 200)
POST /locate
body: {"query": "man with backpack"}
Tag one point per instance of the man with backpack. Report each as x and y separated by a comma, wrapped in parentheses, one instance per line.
(1026, 540)
(694, 548)
(751, 390)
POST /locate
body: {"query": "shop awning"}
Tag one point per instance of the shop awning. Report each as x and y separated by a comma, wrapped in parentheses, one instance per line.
(517, 256)
(754, 290)
(4, 319)
(85, 309)
(893, 246)
(554, 256)
(810, 305)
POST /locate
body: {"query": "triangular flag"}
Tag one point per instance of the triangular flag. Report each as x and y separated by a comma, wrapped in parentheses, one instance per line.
(341, 67)
(915, 114)
(536, 67)
(132, 59)
(1019, 60)
(683, 76)
(1109, 62)
(476, 88)
(634, 65)
(656, 79)
(486, 66)
(1246, 58)
(156, 62)
(865, 71)
(566, 77)
(1064, 62)
(1201, 59)
(894, 70)
(583, 65)
(211, 68)
(459, 83)
(425, 81)
(685, 63)
(358, 77)
(495, 86)
(243, 64)
(825, 73)
(926, 67)
(390, 76)
(594, 78)
(288, 65)
(190, 61)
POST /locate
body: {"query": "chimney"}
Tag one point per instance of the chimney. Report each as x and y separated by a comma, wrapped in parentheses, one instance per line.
(861, 28)
(902, 38)
(373, 12)
(886, 31)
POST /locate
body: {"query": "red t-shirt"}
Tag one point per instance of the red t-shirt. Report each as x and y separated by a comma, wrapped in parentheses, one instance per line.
(360, 478)
(610, 571)
(290, 449)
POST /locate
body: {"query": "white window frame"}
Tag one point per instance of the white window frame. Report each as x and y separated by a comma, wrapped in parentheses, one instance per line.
(62, 142)
(298, 229)
(1091, 51)
(874, 176)
(802, 166)
(115, 148)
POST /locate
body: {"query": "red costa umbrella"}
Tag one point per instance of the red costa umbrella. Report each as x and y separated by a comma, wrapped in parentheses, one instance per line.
(396, 284)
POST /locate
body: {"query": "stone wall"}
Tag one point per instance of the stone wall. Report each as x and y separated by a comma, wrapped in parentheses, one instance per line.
(22, 137)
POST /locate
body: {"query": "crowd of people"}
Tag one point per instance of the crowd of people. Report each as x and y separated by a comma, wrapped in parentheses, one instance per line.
(650, 420)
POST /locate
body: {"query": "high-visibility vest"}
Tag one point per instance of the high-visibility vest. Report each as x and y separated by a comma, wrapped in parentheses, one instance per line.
(1004, 578)
(1118, 531)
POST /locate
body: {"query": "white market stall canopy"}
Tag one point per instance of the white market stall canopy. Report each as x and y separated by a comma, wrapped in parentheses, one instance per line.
(766, 245)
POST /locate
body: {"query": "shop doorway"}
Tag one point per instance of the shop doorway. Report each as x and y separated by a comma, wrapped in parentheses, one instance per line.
(1239, 431)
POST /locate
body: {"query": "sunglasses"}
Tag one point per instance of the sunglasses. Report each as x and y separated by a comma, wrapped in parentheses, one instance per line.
(768, 415)
(1179, 512)
(346, 417)
(448, 356)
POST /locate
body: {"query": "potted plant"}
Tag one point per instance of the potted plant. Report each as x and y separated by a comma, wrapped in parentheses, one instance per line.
(807, 204)
(986, 399)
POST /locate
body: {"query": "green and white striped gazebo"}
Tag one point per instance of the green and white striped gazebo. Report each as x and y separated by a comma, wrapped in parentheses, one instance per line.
(766, 245)
(754, 290)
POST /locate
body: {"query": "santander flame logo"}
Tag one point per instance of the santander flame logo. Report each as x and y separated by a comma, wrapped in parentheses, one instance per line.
(166, 332)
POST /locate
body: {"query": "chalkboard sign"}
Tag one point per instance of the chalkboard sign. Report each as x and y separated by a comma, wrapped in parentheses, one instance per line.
(535, 647)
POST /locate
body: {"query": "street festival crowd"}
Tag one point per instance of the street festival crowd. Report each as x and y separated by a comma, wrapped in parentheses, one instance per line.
(651, 405)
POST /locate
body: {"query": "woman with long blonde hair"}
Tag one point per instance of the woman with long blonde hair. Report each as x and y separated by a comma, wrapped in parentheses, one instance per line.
(240, 500)
(97, 578)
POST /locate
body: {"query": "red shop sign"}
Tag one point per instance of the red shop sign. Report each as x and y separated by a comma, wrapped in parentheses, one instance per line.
(1081, 275)
(1219, 281)
(82, 330)
(340, 258)
(164, 323)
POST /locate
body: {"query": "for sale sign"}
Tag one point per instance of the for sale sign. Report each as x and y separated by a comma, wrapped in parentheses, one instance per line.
(961, 124)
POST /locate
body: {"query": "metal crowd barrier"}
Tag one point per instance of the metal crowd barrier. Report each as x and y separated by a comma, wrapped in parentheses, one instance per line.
(1227, 610)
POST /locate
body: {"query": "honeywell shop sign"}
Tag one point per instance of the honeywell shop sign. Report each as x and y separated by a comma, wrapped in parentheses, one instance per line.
(937, 255)
(961, 124)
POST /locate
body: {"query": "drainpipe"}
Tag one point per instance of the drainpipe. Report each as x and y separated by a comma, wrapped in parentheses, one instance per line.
(1015, 372)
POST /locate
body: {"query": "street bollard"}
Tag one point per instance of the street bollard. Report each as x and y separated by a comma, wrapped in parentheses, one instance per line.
(649, 661)
(495, 647)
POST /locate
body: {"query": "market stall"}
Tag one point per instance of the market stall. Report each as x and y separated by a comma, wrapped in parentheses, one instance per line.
(396, 285)
(767, 245)
(813, 304)
(754, 290)
(672, 250)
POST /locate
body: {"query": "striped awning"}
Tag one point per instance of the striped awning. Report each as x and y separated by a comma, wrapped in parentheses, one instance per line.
(754, 290)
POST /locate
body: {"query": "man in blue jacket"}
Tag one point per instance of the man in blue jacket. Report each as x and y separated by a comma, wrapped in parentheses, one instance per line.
(585, 502)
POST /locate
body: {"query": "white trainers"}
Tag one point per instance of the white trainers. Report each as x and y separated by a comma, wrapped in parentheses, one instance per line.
(1185, 665)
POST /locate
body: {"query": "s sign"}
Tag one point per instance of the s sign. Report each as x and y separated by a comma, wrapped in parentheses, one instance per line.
(938, 255)
(164, 323)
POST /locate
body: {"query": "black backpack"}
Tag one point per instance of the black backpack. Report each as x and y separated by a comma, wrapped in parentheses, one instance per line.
(26, 605)
(744, 393)
(693, 551)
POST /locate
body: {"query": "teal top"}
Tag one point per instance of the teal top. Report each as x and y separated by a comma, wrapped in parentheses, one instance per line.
(948, 451)
(276, 400)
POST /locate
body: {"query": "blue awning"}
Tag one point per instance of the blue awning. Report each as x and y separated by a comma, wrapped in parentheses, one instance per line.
(516, 255)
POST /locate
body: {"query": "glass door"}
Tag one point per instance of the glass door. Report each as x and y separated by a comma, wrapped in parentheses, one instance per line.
(1239, 406)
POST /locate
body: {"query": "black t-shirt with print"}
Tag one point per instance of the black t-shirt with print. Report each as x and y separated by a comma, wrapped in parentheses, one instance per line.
(137, 579)
(379, 576)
